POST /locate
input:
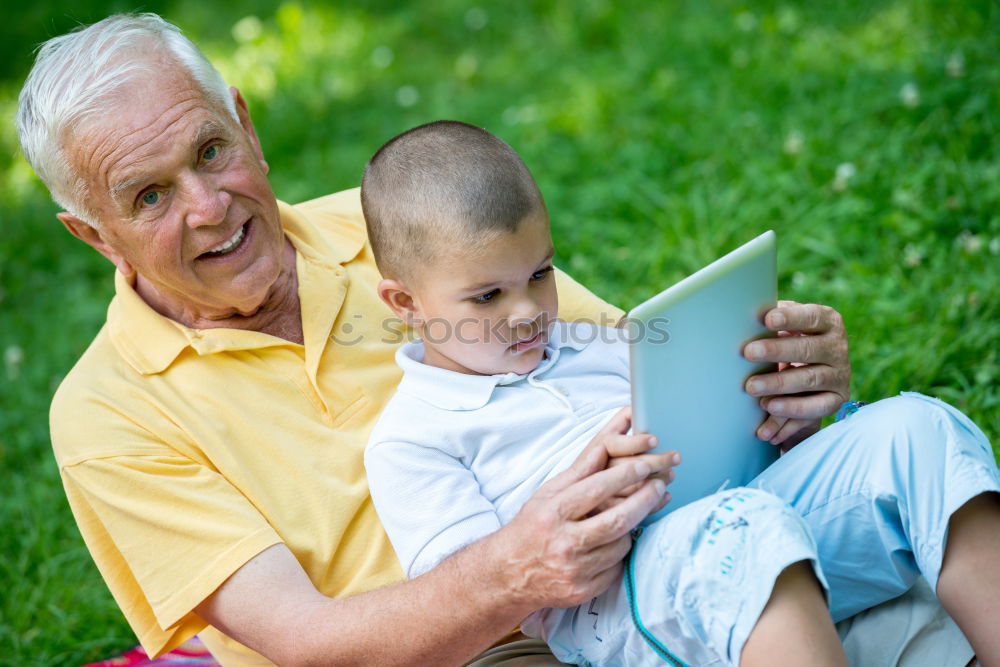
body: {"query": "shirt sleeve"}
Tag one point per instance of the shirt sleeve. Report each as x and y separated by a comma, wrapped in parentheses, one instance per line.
(578, 304)
(165, 532)
(429, 503)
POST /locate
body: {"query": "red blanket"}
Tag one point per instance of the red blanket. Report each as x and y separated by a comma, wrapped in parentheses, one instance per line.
(191, 652)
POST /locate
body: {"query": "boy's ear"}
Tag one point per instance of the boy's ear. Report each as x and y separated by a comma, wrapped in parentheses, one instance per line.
(397, 296)
(92, 237)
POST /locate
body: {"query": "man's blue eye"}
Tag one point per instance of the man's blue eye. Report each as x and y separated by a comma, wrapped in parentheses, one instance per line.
(150, 198)
(210, 153)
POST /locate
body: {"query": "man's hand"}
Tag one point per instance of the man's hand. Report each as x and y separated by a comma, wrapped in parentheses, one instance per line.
(569, 539)
(814, 370)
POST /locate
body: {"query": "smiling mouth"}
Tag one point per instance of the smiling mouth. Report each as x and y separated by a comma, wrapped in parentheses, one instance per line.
(229, 245)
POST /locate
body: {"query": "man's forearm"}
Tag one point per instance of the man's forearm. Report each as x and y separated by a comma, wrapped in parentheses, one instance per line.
(446, 616)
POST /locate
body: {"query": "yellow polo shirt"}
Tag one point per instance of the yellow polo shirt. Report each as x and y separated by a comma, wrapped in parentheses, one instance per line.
(186, 452)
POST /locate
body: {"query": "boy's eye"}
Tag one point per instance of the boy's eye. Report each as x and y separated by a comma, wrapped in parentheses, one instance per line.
(541, 273)
(486, 298)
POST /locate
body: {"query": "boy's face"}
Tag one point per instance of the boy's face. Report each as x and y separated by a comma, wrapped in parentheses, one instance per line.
(489, 310)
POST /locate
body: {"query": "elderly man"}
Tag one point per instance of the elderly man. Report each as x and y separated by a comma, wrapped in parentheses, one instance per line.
(210, 440)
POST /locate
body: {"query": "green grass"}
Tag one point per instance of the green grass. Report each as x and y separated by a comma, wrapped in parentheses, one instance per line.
(661, 136)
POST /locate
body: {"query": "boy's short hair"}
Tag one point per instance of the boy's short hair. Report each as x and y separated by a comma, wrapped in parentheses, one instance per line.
(442, 183)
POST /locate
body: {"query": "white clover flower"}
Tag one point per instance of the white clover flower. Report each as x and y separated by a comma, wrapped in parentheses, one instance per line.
(970, 243)
(466, 65)
(909, 95)
(746, 21)
(788, 20)
(842, 177)
(902, 198)
(476, 18)
(13, 356)
(407, 96)
(247, 29)
(382, 56)
(995, 245)
(956, 65)
(520, 115)
(793, 143)
(913, 255)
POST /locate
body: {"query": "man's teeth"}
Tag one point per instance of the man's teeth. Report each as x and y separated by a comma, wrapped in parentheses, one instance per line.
(227, 246)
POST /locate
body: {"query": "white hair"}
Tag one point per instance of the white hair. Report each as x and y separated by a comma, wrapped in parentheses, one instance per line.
(76, 75)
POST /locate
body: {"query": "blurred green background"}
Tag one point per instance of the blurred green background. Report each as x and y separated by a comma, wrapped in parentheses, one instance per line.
(662, 134)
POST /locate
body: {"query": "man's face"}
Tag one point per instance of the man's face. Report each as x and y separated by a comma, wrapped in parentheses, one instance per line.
(489, 310)
(181, 194)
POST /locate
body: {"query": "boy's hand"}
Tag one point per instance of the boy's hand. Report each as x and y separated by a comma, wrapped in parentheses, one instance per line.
(814, 370)
(630, 448)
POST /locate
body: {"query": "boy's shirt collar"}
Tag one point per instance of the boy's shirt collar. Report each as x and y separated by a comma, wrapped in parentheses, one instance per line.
(451, 390)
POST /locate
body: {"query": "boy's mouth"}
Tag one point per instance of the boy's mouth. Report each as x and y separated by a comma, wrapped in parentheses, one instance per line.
(528, 343)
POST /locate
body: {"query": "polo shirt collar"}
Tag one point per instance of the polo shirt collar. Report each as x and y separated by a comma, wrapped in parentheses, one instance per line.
(150, 342)
(451, 390)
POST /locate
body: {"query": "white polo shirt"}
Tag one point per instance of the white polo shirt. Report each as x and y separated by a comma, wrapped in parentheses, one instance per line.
(453, 457)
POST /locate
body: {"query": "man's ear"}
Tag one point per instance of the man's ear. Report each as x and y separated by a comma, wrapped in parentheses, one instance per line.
(243, 112)
(397, 296)
(95, 240)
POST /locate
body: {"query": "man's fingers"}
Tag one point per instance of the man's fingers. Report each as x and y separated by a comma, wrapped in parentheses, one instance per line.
(613, 555)
(770, 427)
(808, 407)
(790, 428)
(626, 515)
(816, 349)
(808, 318)
(778, 429)
(799, 379)
(584, 496)
(591, 460)
(667, 475)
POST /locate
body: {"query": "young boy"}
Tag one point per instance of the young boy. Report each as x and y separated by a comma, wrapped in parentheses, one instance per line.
(498, 396)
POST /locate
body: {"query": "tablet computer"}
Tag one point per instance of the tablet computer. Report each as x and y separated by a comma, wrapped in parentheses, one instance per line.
(688, 374)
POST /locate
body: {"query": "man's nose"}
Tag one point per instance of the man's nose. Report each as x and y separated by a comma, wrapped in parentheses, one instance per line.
(205, 202)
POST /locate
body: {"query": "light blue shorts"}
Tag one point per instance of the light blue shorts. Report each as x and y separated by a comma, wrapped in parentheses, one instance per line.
(869, 498)
(877, 491)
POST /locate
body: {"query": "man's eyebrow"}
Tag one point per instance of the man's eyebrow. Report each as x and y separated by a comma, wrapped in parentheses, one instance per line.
(208, 130)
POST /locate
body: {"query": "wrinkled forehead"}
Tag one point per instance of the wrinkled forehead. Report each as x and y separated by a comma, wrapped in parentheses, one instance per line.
(149, 115)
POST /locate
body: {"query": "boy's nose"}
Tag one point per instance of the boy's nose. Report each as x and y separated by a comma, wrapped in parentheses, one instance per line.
(525, 326)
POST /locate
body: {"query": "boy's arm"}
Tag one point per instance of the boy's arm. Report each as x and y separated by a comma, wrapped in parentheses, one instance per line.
(428, 502)
(557, 552)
